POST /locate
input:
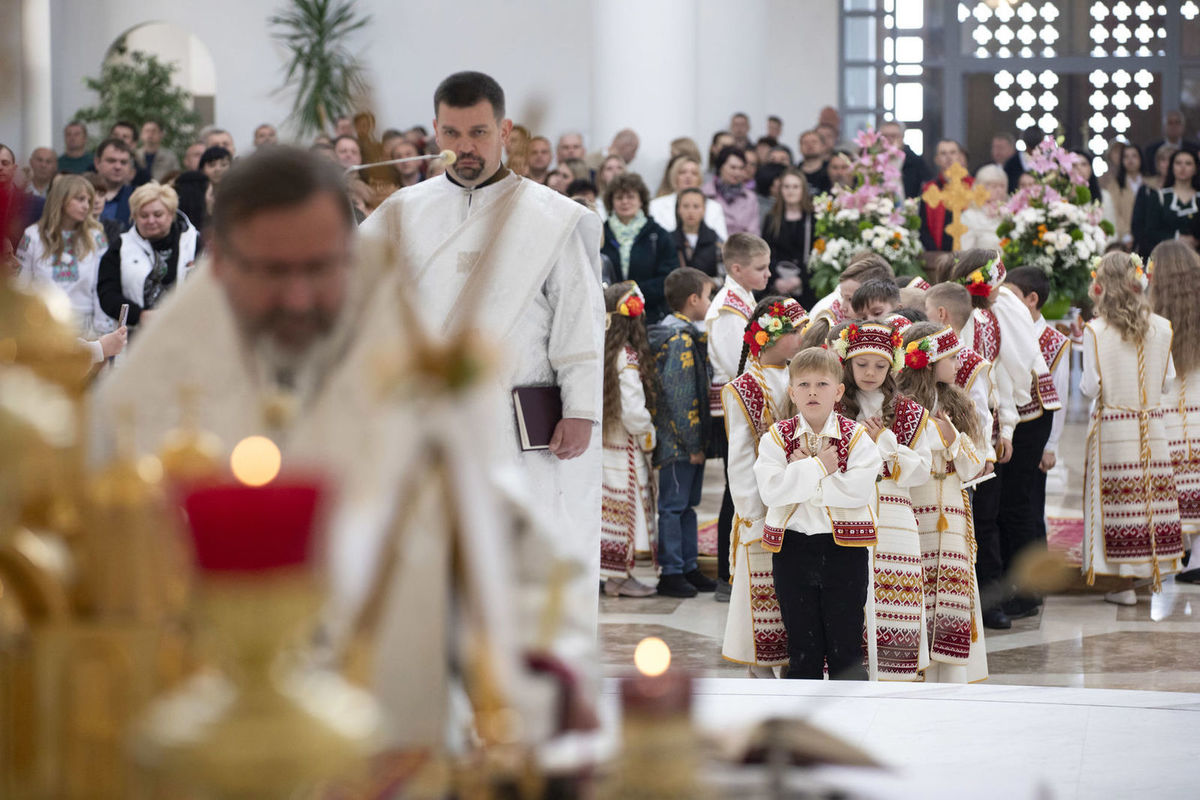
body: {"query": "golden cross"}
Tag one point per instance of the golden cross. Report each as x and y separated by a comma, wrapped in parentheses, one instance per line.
(957, 197)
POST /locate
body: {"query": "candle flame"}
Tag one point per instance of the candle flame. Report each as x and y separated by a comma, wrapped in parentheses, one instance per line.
(652, 657)
(255, 461)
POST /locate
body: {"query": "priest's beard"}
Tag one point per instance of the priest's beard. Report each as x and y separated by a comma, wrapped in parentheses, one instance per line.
(295, 368)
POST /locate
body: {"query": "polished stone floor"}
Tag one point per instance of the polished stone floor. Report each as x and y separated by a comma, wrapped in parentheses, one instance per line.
(1078, 640)
(1047, 722)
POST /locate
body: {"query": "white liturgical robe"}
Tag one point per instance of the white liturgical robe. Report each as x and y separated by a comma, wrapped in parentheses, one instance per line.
(364, 425)
(534, 257)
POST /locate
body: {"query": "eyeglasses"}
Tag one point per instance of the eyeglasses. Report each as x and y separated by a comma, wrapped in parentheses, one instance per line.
(317, 271)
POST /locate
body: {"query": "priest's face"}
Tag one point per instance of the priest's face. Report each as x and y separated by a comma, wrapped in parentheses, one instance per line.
(477, 138)
(285, 271)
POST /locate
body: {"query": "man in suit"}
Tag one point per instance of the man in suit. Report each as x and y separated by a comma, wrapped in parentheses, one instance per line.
(1173, 135)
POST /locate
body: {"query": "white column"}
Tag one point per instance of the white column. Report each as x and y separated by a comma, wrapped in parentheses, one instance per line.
(644, 77)
(35, 73)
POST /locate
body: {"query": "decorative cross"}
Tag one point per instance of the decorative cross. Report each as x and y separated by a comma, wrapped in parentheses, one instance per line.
(957, 197)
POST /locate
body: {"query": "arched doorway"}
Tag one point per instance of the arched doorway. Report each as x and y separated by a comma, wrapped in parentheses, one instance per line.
(196, 72)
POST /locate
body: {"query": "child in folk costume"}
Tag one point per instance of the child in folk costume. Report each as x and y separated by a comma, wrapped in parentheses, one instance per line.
(950, 304)
(755, 400)
(628, 504)
(871, 354)
(1130, 503)
(1174, 271)
(864, 266)
(748, 261)
(816, 473)
(1035, 441)
(953, 613)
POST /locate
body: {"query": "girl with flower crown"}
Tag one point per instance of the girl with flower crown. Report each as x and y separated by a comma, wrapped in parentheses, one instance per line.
(871, 355)
(629, 508)
(1174, 273)
(953, 616)
(753, 402)
(1130, 501)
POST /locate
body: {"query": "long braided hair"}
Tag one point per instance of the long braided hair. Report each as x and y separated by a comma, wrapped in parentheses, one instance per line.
(625, 331)
(763, 306)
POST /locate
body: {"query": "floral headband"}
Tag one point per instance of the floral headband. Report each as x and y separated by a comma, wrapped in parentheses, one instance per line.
(982, 281)
(920, 353)
(780, 319)
(631, 304)
(1141, 274)
(871, 338)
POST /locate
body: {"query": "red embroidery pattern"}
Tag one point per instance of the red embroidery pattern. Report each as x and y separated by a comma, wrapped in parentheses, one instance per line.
(987, 334)
(1042, 391)
(770, 637)
(755, 400)
(737, 305)
(969, 365)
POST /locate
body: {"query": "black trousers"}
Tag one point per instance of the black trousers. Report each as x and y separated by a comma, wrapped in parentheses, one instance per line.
(822, 588)
(1021, 516)
(989, 562)
(720, 449)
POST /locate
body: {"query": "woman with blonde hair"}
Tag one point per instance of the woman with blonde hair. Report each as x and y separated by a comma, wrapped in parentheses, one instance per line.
(683, 172)
(1174, 271)
(155, 254)
(64, 247)
(1130, 503)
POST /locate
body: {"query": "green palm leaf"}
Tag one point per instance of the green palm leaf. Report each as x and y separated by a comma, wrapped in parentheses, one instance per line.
(322, 70)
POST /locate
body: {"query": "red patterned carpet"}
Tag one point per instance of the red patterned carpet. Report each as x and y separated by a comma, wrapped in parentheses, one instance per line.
(1065, 535)
(707, 536)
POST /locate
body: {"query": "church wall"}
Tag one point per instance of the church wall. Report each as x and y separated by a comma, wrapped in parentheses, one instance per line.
(760, 56)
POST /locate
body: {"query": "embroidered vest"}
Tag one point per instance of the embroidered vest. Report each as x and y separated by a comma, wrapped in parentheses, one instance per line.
(852, 527)
(1043, 393)
(987, 334)
(910, 421)
(754, 401)
(970, 364)
(732, 303)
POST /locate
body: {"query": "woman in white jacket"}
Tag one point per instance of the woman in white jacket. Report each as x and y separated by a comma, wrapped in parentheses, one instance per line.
(148, 259)
(64, 247)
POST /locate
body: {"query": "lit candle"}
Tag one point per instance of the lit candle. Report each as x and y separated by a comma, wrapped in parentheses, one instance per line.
(657, 690)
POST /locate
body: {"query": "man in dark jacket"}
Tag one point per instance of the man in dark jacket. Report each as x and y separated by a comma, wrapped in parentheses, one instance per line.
(914, 172)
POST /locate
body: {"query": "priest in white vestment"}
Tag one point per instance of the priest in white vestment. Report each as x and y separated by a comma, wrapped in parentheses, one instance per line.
(294, 329)
(534, 256)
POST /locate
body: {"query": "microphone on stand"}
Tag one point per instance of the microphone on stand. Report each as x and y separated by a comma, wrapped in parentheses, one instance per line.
(446, 155)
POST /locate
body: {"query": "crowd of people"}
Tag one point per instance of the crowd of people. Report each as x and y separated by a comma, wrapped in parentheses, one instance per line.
(884, 447)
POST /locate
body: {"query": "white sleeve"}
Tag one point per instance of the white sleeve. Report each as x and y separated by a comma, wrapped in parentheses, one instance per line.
(714, 217)
(983, 394)
(781, 483)
(1089, 382)
(95, 350)
(725, 334)
(909, 465)
(742, 440)
(1019, 351)
(576, 341)
(26, 259)
(967, 461)
(634, 414)
(1006, 403)
(1062, 385)
(856, 486)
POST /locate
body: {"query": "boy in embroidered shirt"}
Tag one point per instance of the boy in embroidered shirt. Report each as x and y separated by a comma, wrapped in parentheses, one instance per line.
(876, 300)
(748, 261)
(682, 423)
(816, 473)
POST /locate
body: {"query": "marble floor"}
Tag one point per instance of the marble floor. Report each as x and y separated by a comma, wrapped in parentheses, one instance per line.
(1048, 707)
